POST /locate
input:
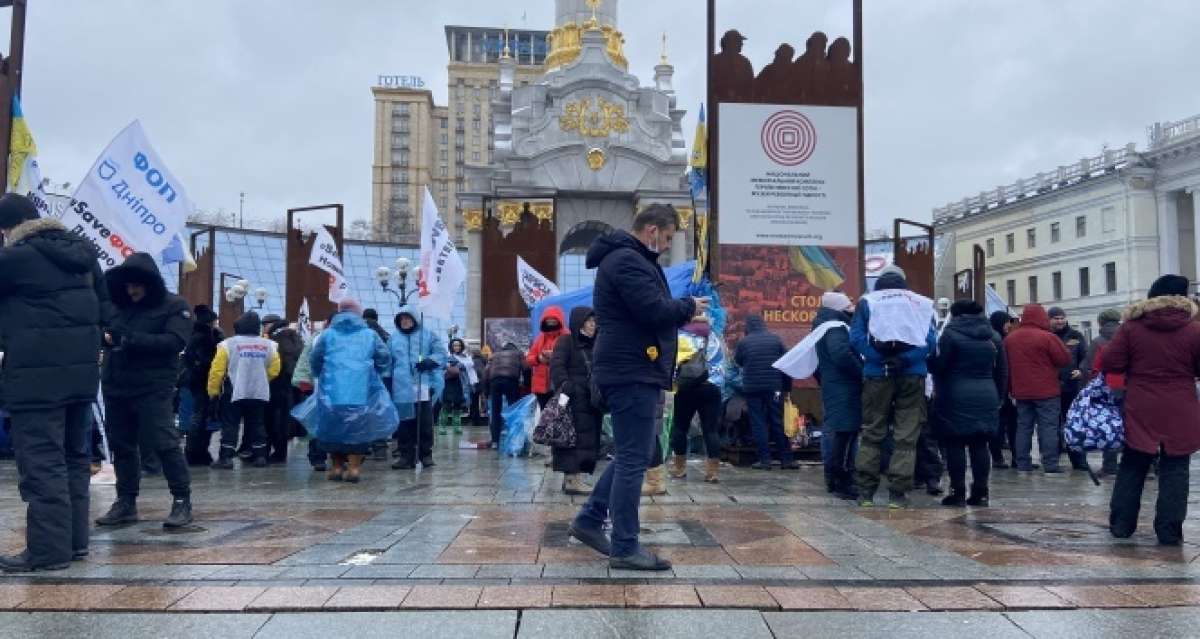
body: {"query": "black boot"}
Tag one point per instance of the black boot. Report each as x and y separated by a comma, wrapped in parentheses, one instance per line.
(403, 463)
(844, 487)
(123, 511)
(933, 487)
(22, 562)
(223, 462)
(955, 499)
(979, 496)
(427, 462)
(181, 513)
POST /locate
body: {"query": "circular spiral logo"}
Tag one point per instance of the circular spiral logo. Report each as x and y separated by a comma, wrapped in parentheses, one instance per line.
(789, 138)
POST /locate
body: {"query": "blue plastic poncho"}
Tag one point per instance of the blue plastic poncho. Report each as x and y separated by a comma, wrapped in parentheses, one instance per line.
(351, 404)
(407, 349)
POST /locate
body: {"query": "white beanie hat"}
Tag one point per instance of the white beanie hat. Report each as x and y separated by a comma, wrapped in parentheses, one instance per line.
(836, 301)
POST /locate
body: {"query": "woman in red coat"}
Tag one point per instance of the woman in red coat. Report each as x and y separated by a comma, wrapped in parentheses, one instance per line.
(552, 326)
(1158, 351)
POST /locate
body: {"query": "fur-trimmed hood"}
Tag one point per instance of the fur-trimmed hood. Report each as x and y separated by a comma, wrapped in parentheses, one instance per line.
(1166, 313)
(49, 237)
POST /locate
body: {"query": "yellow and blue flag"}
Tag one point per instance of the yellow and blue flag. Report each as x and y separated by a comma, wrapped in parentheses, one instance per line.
(817, 266)
(24, 176)
(698, 176)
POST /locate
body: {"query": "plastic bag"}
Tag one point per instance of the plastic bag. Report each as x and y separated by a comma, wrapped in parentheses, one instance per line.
(514, 439)
(349, 424)
(1094, 420)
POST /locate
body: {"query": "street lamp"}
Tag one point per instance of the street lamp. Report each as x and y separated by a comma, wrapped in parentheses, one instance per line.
(260, 296)
(384, 275)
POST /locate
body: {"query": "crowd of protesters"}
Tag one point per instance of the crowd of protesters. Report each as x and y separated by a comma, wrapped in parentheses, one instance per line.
(904, 391)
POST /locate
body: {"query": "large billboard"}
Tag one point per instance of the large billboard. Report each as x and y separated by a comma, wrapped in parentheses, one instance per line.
(788, 199)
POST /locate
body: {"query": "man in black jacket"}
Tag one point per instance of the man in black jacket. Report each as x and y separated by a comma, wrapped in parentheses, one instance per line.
(197, 360)
(52, 301)
(148, 330)
(503, 380)
(636, 340)
(279, 411)
(763, 386)
(1071, 378)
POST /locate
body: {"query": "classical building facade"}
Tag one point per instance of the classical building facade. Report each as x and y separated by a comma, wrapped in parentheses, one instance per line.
(418, 144)
(583, 146)
(1087, 236)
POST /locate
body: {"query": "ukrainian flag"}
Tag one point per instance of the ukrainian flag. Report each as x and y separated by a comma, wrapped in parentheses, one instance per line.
(698, 175)
(22, 155)
(817, 266)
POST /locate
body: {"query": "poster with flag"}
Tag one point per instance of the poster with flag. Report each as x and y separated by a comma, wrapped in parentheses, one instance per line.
(532, 285)
(304, 322)
(442, 270)
(24, 173)
(325, 257)
(129, 201)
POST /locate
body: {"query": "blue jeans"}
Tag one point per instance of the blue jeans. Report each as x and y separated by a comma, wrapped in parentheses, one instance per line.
(619, 489)
(766, 422)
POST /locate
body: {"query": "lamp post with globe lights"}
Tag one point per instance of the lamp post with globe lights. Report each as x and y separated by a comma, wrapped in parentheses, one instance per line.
(402, 292)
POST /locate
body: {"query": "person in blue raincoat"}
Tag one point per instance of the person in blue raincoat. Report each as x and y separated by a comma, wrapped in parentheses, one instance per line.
(418, 359)
(348, 361)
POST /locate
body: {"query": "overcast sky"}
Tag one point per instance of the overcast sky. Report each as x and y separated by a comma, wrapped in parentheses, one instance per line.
(272, 97)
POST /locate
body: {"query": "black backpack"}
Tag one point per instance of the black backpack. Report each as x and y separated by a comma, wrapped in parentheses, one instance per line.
(694, 370)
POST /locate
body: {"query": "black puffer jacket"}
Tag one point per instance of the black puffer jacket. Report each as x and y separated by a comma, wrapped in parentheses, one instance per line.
(755, 353)
(506, 363)
(569, 372)
(198, 356)
(52, 303)
(148, 336)
(970, 375)
(1071, 387)
(637, 320)
(840, 373)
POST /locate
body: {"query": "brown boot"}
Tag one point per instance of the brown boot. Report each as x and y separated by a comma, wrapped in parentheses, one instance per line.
(678, 467)
(655, 482)
(711, 467)
(573, 484)
(336, 463)
(352, 475)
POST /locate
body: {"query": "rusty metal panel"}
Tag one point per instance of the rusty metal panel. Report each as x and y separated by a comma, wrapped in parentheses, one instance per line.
(197, 287)
(915, 257)
(531, 239)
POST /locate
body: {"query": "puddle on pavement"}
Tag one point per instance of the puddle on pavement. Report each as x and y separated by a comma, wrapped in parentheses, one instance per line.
(361, 558)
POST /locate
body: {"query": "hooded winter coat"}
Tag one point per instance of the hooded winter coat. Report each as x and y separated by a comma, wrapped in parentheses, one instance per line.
(1158, 351)
(914, 360)
(970, 376)
(506, 363)
(637, 320)
(198, 355)
(290, 346)
(544, 343)
(148, 336)
(52, 303)
(755, 353)
(570, 371)
(1070, 387)
(1035, 357)
(840, 374)
(409, 349)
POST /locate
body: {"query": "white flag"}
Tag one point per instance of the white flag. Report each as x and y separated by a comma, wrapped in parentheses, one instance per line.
(129, 201)
(304, 322)
(442, 270)
(533, 285)
(325, 257)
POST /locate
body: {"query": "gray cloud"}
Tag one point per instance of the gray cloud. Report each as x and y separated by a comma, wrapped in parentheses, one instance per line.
(273, 96)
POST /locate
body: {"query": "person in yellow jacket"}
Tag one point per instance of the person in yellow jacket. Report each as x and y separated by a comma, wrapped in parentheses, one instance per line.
(241, 376)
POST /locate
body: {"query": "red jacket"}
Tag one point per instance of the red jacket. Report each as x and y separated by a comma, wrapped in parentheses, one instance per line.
(544, 343)
(1035, 357)
(1158, 350)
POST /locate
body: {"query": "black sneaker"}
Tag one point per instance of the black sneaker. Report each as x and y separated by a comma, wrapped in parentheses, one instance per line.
(123, 511)
(593, 539)
(954, 500)
(403, 463)
(641, 560)
(79, 554)
(761, 466)
(181, 513)
(23, 563)
(427, 462)
(222, 463)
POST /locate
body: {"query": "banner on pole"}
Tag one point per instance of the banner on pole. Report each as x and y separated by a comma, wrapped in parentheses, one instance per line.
(442, 270)
(325, 257)
(24, 172)
(129, 201)
(304, 322)
(532, 285)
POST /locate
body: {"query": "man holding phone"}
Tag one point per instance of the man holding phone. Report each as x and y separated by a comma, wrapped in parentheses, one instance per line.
(637, 323)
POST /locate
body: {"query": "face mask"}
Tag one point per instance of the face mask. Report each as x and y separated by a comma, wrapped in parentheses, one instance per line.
(654, 248)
